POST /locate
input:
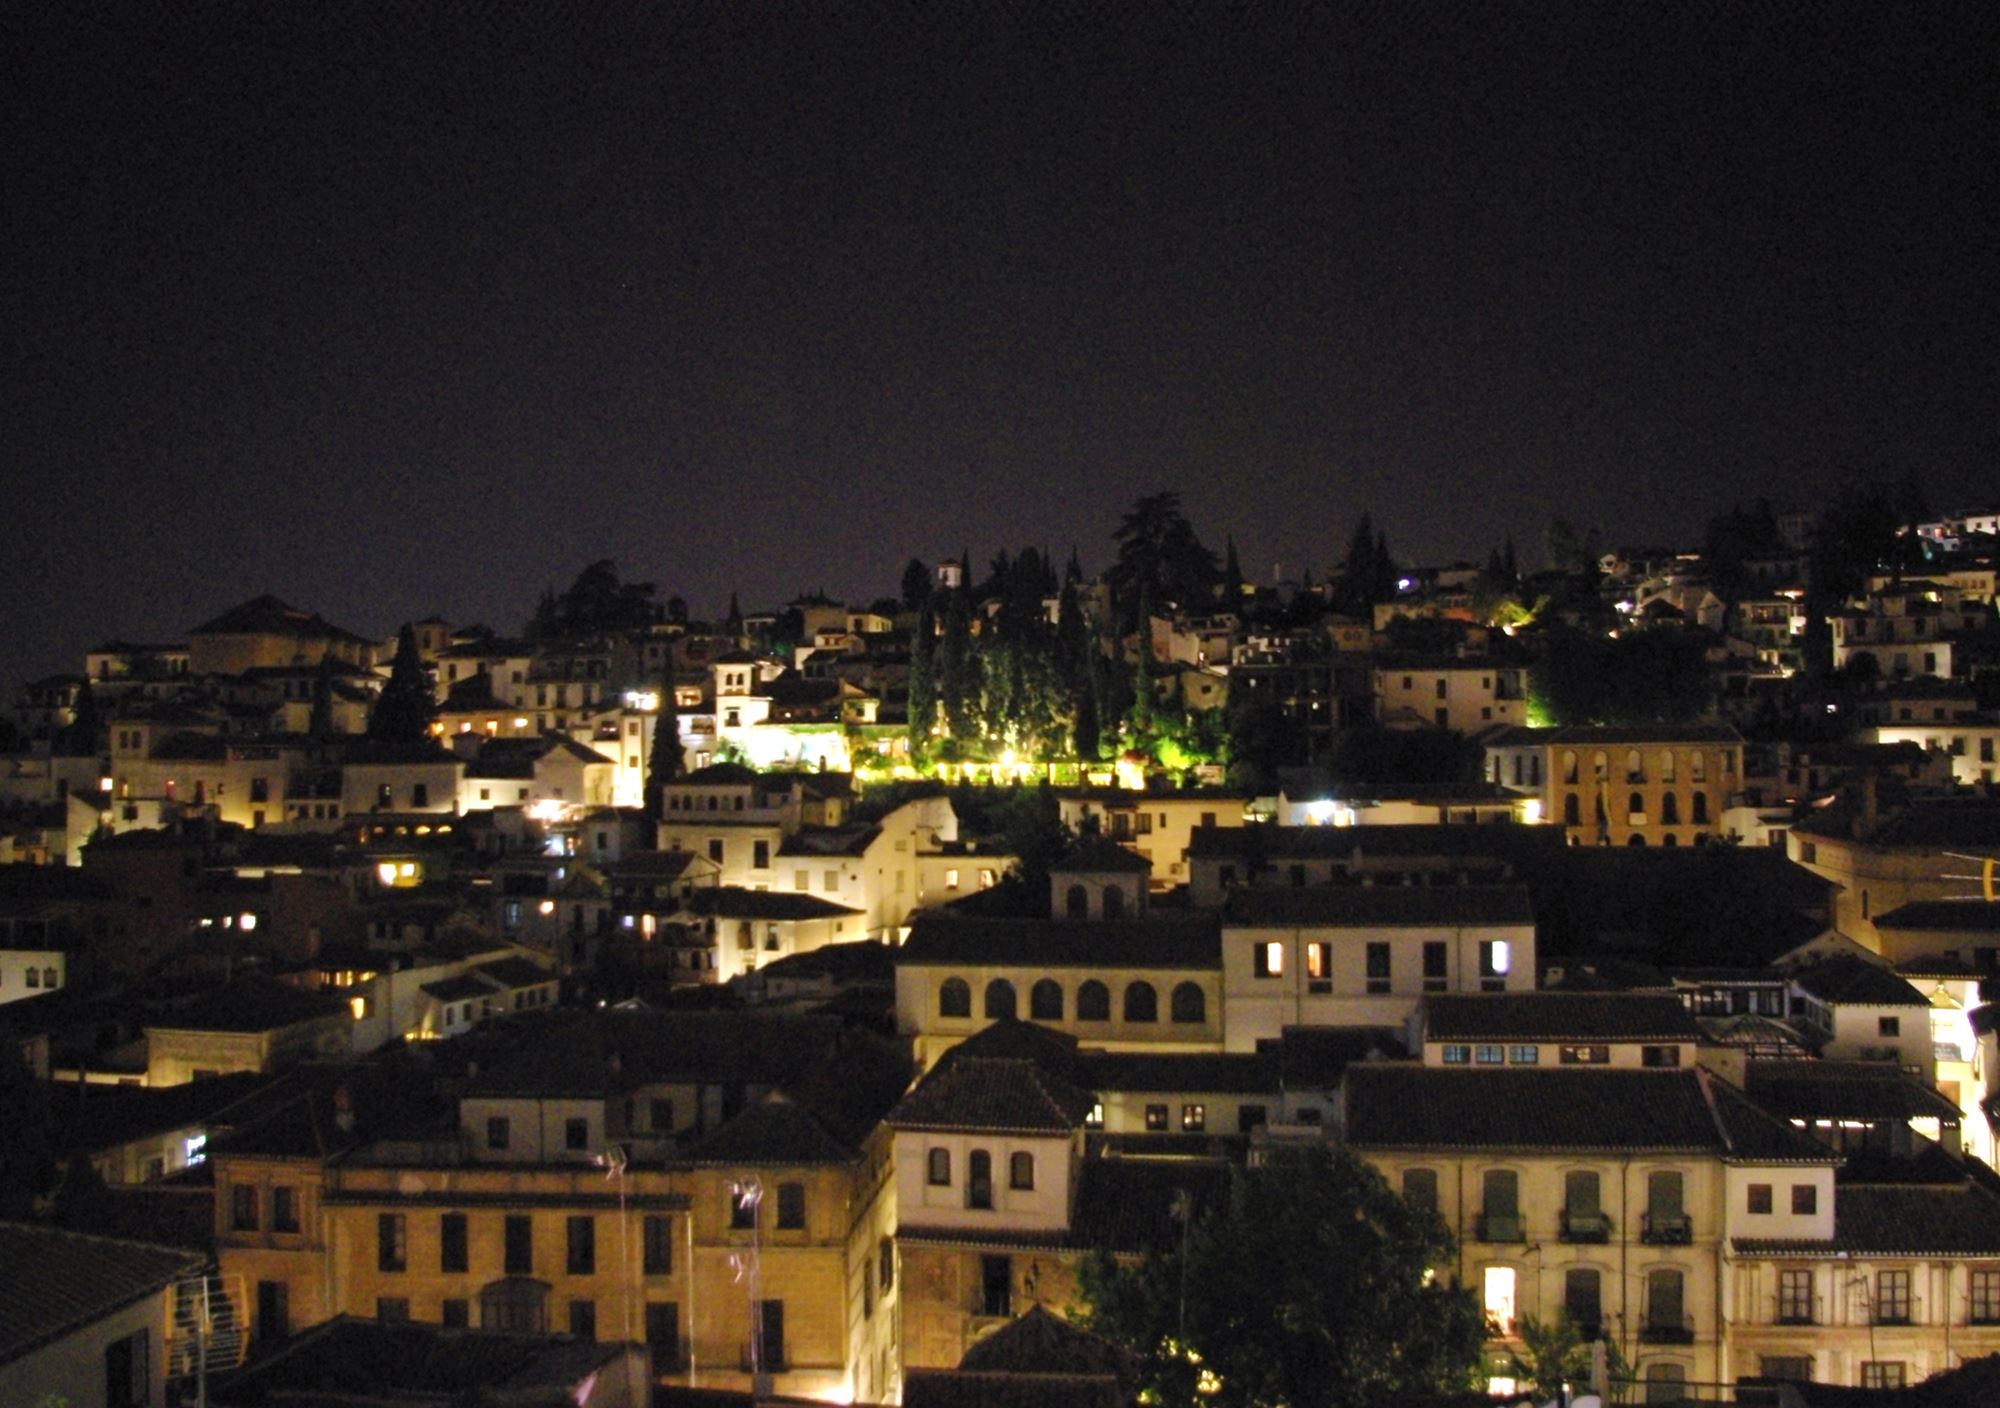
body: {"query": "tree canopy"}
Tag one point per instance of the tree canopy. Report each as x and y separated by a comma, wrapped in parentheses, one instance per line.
(596, 603)
(1159, 552)
(1308, 1284)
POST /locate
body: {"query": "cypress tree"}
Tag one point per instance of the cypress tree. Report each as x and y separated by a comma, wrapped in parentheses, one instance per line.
(923, 680)
(403, 711)
(664, 762)
(958, 671)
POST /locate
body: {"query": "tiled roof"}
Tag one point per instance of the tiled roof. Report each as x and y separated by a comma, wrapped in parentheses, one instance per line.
(1319, 1056)
(1041, 1343)
(345, 1361)
(1958, 1219)
(1170, 1071)
(1180, 942)
(457, 989)
(1378, 906)
(250, 1004)
(515, 972)
(736, 902)
(1853, 1090)
(588, 1052)
(1276, 844)
(775, 1130)
(1410, 1106)
(1846, 978)
(830, 840)
(266, 615)
(1588, 736)
(1972, 916)
(94, 1118)
(989, 1093)
(1924, 823)
(1556, 1015)
(1096, 855)
(54, 1282)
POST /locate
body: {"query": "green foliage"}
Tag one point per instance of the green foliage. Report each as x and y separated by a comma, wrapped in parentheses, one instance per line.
(1309, 1284)
(1263, 737)
(1637, 678)
(1555, 1354)
(923, 681)
(404, 709)
(1388, 756)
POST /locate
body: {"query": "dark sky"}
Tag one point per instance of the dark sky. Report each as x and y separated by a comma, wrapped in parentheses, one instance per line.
(422, 308)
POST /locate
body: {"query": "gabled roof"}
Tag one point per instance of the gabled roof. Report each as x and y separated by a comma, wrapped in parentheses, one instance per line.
(990, 1095)
(54, 1282)
(1095, 855)
(1846, 978)
(1555, 1016)
(1178, 942)
(267, 615)
(774, 1130)
(1377, 906)
(1041, 1343)
(1416, 1107)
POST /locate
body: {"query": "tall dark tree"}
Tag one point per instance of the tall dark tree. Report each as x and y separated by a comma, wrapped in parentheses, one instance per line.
(732, 624)
(916, 585)
(665, 762)
(1311, 1282)
(1143, 699)
(403, 710)
(1159, 550)
(923, 680)
(319, 723)
(958, 667)
(1368, 575)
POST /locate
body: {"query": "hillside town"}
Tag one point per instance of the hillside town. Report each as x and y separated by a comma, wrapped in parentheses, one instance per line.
(893, 999)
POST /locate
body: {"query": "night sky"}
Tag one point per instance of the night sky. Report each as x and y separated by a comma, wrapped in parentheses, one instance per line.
(421, 308)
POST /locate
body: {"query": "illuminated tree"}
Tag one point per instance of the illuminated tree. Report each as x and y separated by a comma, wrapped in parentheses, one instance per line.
(923, 680)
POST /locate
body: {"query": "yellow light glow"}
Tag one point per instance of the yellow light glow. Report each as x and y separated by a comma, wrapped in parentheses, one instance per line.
(1531, 810)
(386, 872)
(546, 907)
(358, 1006)
(246, 921)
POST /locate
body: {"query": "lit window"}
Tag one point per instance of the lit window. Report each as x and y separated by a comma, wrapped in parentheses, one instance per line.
(1497, 1296)
(1269, 959)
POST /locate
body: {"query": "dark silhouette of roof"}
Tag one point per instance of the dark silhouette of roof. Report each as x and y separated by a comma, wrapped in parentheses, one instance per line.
(1557, 1015)
(54, 1282)
(254, 1003)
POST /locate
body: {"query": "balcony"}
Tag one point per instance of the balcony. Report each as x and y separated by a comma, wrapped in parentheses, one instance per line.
(1666, 1229)
(1891, 1317)
(1661, 1329)
(1585, 1227)
(1498, 1227)
(1795, 1315)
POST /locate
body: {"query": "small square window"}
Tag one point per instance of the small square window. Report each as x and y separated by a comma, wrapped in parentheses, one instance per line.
(1805, 1199)
(1156, 1118)
(1194, 1118)
(1760, 1198)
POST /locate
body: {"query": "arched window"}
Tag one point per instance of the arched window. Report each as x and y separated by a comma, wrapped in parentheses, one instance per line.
(1190, 1004)
(1572, 813)
(1142, 1004)
(1666, 765)
(1698, 765)
(1569, 765)
(979, 1179)
(1021, 1170)
(999, 999)
(937, 1167)
(1600, 765)
(1093, 1002)
(1597, 804)
(1635, 766)
(1045, 1000)
(1635, 805)
(1114, 902)
(955, 998)
(1698, 808)
(1670, 809)
(1670, 839)
(1637, 838)
(1076, 902)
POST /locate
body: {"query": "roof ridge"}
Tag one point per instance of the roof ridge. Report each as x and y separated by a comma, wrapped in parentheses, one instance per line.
(1704, 1082)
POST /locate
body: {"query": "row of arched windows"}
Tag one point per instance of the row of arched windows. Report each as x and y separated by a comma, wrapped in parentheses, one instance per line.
(1187, 1003)
(979, 1173)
